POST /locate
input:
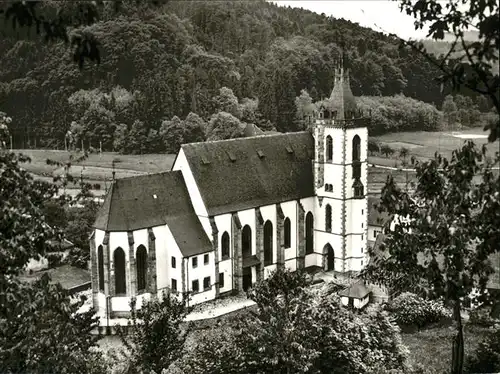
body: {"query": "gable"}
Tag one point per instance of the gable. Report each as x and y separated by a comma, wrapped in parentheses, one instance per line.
(238, 174)
(154, 200)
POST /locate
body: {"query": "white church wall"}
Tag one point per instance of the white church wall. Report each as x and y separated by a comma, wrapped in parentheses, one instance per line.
(120, 304)
(337, 143)
(335, 241)
(141, 238)
(98, 237)
(268, 270)
(291, 264)
(254, 274)
(101, 301)
(313, 259)
(119, 239)
(182, 164)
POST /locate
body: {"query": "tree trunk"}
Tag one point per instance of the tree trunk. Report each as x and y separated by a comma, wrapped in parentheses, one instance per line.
(457, 359)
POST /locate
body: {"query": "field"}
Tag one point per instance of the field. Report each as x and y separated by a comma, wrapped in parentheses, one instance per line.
(431, 349)
(423, 145)
(97, 169)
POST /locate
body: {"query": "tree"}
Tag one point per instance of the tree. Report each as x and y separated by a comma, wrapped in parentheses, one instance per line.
(155, 335)
(445, 234)
(120, 137)
(227, 102)
(137, 139)
(473, 63)
(373, 147)
(4, 130)
(172, 134)
(450, 111)
(40, 330)
(305, 108)
(224, 126)
(386, 150)
(486, 358)
(298, 330)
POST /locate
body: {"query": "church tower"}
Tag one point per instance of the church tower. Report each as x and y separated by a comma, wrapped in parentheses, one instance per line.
(340, 167)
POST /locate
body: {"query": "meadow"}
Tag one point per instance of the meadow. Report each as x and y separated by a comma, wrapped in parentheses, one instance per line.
(98, 168)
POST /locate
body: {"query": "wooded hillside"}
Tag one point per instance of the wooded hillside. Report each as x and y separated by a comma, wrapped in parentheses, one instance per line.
(172, 60)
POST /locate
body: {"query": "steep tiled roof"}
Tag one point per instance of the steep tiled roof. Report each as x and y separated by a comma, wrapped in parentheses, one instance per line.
(245, 173)
(152, 200)
(375, 218)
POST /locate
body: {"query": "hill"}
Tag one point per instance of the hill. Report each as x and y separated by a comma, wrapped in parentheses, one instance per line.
(173, 59)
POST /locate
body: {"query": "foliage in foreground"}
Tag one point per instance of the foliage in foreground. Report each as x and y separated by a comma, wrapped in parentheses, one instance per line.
(409, 309)
(445, 234)
(39, 329)
(299, 330)
(486, 358)
(156, 334)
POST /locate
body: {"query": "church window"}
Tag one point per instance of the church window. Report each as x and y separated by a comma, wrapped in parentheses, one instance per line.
(206, 259)
(329, 148)
(174, 284)
(100, 264)
(173, 262)
(246, 241)
(195, 286)
(194, 262)
(309, 233)
(120, 281)
(225, 245)
(268, 243)
(288, 233)
(141, 261)
(328, 218)
(221, 280)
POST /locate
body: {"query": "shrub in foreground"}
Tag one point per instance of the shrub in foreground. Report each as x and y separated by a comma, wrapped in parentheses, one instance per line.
(410, 310)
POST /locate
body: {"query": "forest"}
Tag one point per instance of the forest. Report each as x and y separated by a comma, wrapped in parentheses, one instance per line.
(181, 72)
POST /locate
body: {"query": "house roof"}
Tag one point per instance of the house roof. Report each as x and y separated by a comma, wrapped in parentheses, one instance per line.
(153, 200)
(244, 173)
(376, 218)
(68, 276)
(357, 291)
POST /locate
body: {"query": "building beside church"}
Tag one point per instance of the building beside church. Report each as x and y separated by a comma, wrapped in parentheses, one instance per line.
(230, 212)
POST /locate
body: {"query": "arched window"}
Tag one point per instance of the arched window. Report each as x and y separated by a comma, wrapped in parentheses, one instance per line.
(141, 261)
(120, 280)
(359, 190)
(225, 245)
(356, 148)
(246, 241)
(329, 148)
(288, 233)
(328, 218)
(100, 266)
(268, 243)
(309, 233)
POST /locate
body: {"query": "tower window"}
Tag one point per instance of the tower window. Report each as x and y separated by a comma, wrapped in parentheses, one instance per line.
(329, 148)
(358, 189)
(328, 218)
(356, 148)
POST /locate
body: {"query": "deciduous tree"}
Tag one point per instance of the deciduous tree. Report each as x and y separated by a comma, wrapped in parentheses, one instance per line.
(447, 232)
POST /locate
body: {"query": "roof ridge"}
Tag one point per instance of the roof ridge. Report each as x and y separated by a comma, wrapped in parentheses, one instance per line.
(296, 133)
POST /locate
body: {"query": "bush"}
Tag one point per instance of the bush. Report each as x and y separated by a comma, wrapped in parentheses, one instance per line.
(54, 259)
(482, 317)
(410, 310)
(486, 358)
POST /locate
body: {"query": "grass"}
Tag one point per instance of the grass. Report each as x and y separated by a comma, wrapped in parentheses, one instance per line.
(431, 349)
(423, 145)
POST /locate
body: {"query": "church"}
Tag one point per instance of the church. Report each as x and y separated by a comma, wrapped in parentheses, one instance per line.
(232, 211)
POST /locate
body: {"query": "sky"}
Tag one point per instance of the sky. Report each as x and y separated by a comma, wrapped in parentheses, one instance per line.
(380, 15)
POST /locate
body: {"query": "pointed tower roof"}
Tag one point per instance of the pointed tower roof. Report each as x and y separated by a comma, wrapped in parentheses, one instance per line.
(342, 100)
